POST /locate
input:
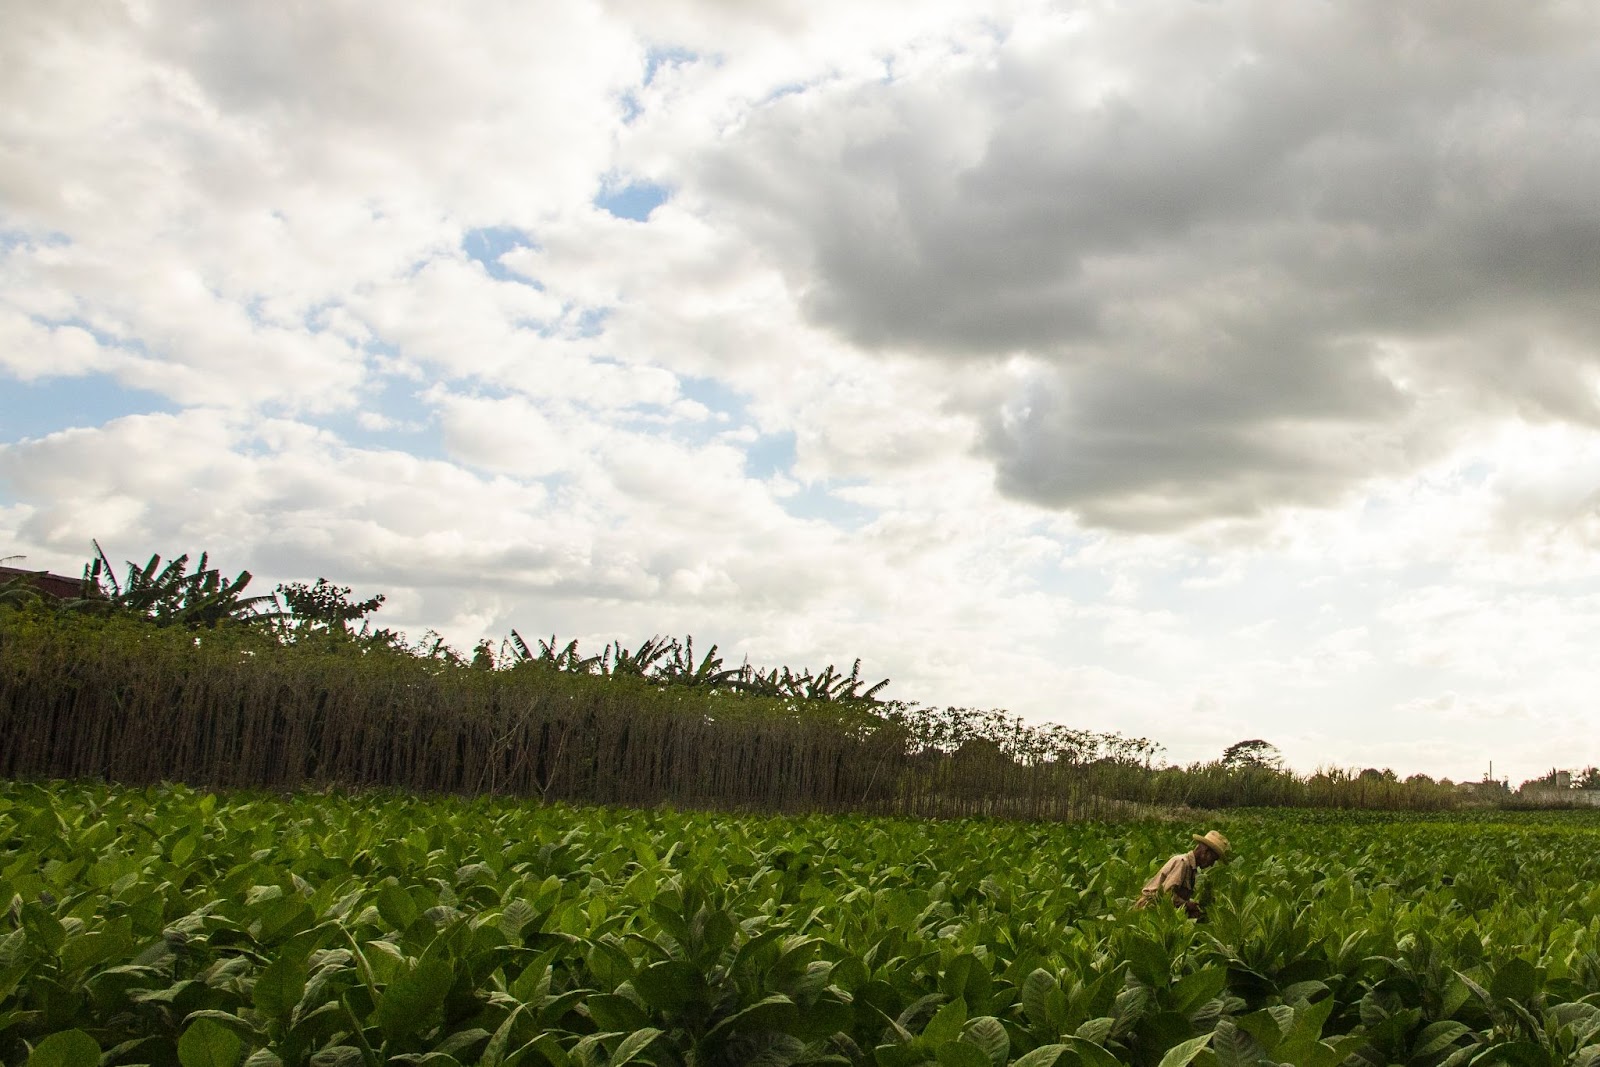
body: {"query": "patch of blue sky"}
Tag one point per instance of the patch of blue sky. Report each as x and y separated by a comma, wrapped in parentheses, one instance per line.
(31, 409)
(592, 321)
(14, 239)
(391, 415)
(714, 394)
(821, 502)
(787, 89)
(487, 244)
(632, 200)
(770, 454)
(656, 58)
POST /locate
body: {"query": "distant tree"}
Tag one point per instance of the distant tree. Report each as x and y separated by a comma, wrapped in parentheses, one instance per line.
(172, 595)
(325, 607)
(1554, 778)
(1419, 779)
(1588, 778)
(1254, 754)
(1373, 774)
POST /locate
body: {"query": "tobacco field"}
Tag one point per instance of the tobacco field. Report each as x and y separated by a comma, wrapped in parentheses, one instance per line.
(170, 926)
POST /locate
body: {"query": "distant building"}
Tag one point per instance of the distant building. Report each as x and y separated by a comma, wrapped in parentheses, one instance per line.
(57, 586)
(1546, 795)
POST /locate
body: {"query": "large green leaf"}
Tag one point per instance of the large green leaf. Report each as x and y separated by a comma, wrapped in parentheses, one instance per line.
(1148, 960)
(775, 1013)
(69, 1048)
(1515, 979)
(989, 1035)
(1043, 1002)
(412, 1002)
(671, 985)
(947, 1022)
(1089, 1053)
(1193, 990)
(209, 1044)
(1437, 1037)
(1181, 1055)
(633, 1046)
(279, 986)
(961, 1054)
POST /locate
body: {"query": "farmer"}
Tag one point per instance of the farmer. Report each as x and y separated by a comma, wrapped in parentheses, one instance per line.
(1177, 876)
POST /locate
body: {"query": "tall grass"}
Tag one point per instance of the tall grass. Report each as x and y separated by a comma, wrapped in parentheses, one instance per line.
(118, 698)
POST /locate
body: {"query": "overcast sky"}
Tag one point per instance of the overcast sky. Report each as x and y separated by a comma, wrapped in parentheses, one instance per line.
(1196, 370)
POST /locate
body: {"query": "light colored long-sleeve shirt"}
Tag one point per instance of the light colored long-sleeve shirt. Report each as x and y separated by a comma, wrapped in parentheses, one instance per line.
(1175, 879)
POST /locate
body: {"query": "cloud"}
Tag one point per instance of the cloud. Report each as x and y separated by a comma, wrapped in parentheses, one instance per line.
(235, 204)
(1255, 257)
(1202, 371)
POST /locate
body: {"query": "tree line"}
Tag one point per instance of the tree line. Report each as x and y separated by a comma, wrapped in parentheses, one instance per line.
(168, 673)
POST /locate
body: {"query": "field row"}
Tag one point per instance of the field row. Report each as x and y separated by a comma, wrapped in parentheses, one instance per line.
(167, 926)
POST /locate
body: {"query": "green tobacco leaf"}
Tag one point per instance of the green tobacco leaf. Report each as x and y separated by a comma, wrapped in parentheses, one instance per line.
(960, 1054)
(460, 1043)
(207, 1043)
(1309, 1020)
(279, 986)
(339, 1056)
(946, 1022)
(1090, 1054)
(546, 1047)
(1437, 1037)
(633, 1046)
(1042, 1000)
(588, 1050)
(1267, 1026)
(1515, 979)
(1193, 990)
(989, 1034)
(1043, 1056)
(1181, 1055)
(248, 1031)
(397, 907)
(1515, 1053)
(612, 1012)
(1098, 1029)
(825, 1018)
(1148, 960)
(1301, 993)
(412, 1001)
(514, 916)
(670, 985)
(500, 1043)
(713, 932)
(774, 1013)
(70, 1048)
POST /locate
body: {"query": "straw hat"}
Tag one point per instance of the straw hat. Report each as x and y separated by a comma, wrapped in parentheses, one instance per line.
(1216, 843)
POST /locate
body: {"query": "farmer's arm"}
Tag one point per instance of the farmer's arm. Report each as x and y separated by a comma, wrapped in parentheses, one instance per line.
(1178, 880)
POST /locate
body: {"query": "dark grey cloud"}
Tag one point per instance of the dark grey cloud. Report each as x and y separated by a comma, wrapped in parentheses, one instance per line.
(1256, 253)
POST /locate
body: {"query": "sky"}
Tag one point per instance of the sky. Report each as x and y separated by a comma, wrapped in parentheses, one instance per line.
(1200, 370)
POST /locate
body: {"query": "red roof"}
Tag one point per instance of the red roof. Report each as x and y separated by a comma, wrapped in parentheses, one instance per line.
(54, 585)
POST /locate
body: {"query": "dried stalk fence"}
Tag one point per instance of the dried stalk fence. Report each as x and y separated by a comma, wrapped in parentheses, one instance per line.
(136, 705)
(120, 700)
